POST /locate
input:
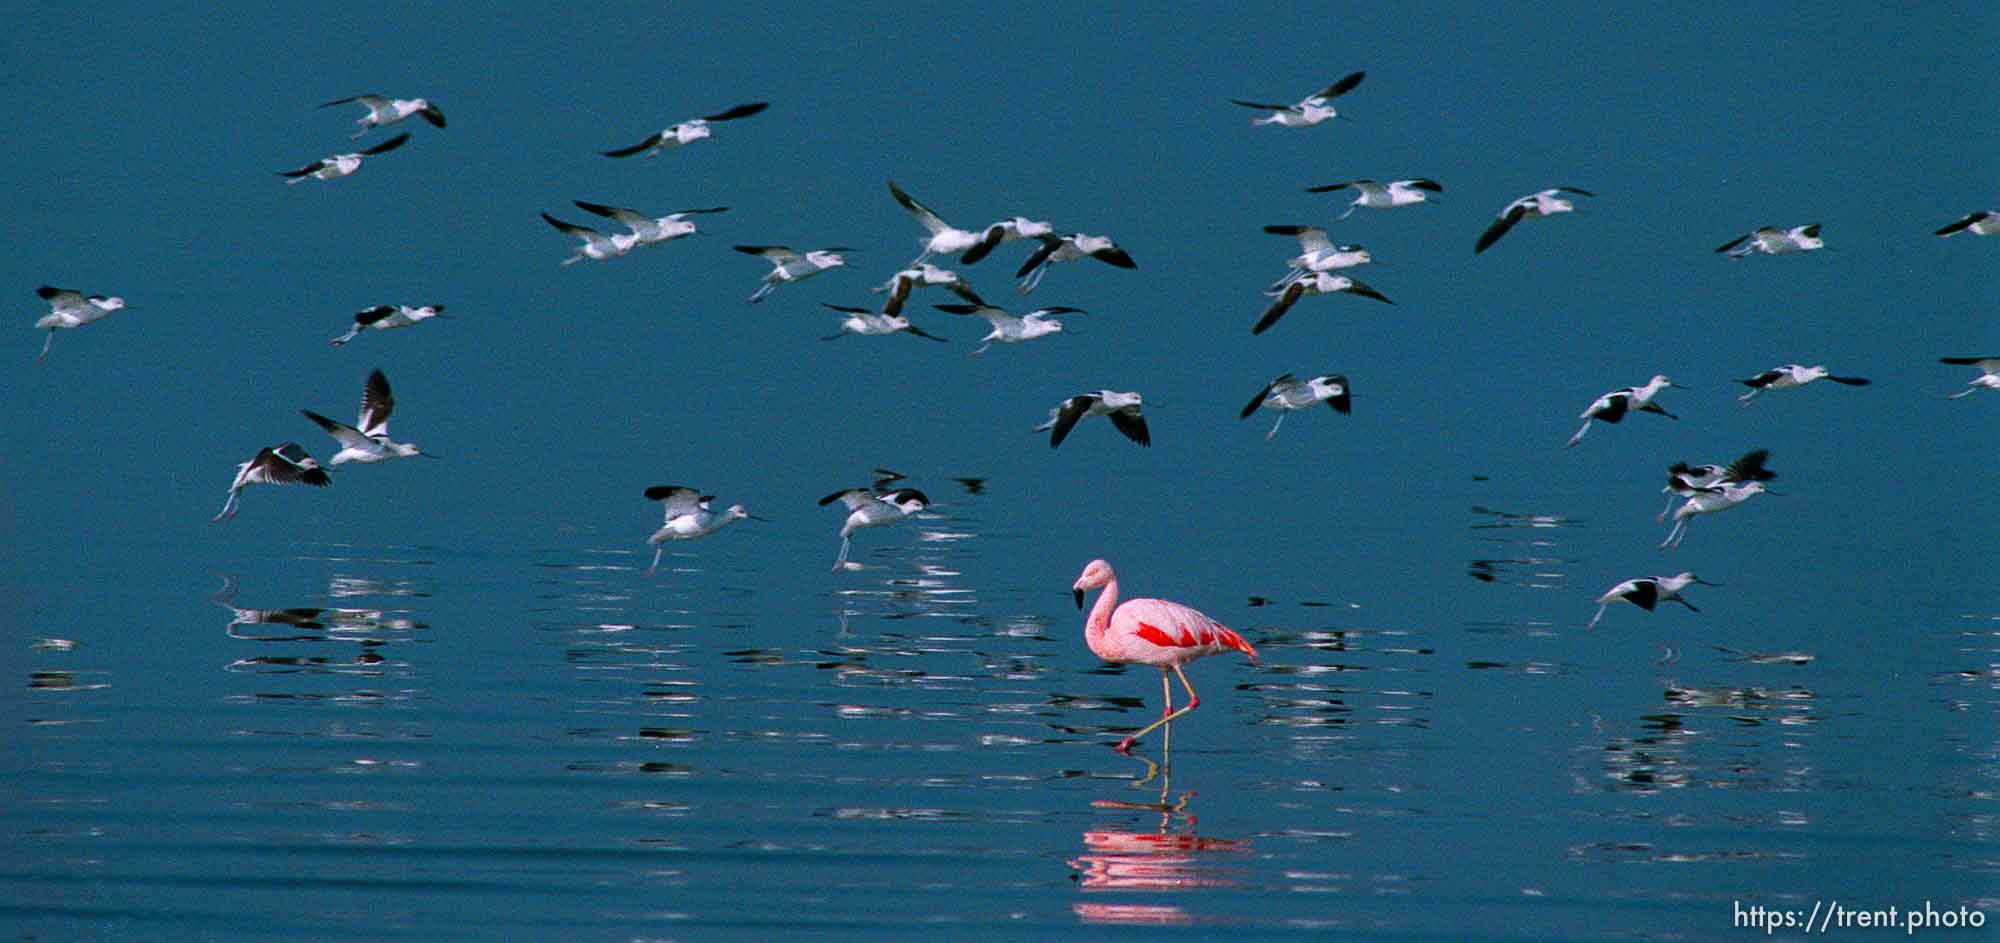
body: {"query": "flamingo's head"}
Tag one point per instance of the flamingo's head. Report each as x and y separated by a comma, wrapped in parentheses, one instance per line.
(1094, 576)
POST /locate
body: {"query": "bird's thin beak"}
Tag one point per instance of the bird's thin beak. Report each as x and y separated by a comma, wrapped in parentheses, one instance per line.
(1680, 386)
(756, 518)
(1775, 494)
(1705, 582)
(1079, 597)
(429, 455)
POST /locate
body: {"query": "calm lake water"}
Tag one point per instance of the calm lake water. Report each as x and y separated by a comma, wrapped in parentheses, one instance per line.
(345, 741)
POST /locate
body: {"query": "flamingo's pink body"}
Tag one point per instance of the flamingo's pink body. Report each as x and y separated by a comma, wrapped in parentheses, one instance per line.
(1153, 632)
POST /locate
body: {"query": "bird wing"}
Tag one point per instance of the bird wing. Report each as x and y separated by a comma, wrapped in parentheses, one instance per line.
(920, 332)
(1258, 400)
(1579, 191)
(651, 141)
(1329, 188)
(1644, 594)
(696, 212)
(632, 218)
(349, 436)
(582, 232)
(1337, 89)
(924, 214)
(1114, 256)
(1041, 254)
(679, 500)
(989, 240)
(370, 315)
(311, 168)
(740, 111)
(1764, 379)
(1357, 288)
(1960, 225)
(1809, 230)
(376, 404)
(1986, 364)
(1733, 243)
(1610, 407)
(994, 316)
(1130, 422)
(433, 115)
(289, 463)
(1278, 308)
(1263, 106)
(372, 101)
(388, 145)
(1508, 217)
(1311, 238)
(60, 298)
(1342, 400)
(1750, 467)
(1071, 410)
(778, 255)
(854, 498)
(1423, 183)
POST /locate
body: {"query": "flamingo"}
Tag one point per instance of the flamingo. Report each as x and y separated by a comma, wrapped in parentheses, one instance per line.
(1153, 632)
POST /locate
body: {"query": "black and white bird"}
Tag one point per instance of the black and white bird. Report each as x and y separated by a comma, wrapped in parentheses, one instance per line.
(387, 317)
(1684, 480)
(1647, 592)
(1791, 376)
(1612, 406)
(1382, 196)
(1988, 378)
(1774, 240)
(1708, 501)
(595, 245)
(1317, 253)
(650, 230)
(873, 507)
(70, 309)
(1122, 408)
(688, 516)
(1535, 205)
(686, 132)
(1982, 223)
(926, 275)
(383, 111)
(278, 465)
(1069, 249)
(340, 165)
(367, 441)
(790, 265)
(1008, 329)
(1288, 393)
(944, 238)
(1006, 230)
(1322, 283)
(890, 320)
(1310, 110)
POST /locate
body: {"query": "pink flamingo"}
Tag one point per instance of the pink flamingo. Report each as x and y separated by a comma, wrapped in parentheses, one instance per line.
(1153, 632)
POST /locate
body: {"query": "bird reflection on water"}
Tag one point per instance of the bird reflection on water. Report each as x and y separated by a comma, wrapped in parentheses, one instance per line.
(1171, 856)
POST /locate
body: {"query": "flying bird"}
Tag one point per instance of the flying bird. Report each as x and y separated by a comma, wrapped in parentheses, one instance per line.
(1647, 592)
(686, 132)
(1288, 393)
(889, 320)
(1008, 329)
(1310, 110)
(1122, 408)
(70, 309)
(873, 507)
(1683, 480)
(1982, 223)
(902, 283)
(1382, 196)
(1068, 249)
(688, 516)
(1988, 378)
(944, 237)
(650, 230)
(367, 441)
(1791, 376)
(789, 265)
(386, 317)
(1317, 253)
(1718, 498)
(1544, 203)
(340, 165)
(277, 465)
(1153, 632)
(1772, 240)
(387, 111)
(1006, 230)
(1321, 283)
(595, 245)
(1612, 406)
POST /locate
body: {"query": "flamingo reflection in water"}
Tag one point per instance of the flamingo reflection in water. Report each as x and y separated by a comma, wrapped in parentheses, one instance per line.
(1168, 858)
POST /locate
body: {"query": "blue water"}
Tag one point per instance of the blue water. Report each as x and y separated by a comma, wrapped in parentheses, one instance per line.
(494, 726)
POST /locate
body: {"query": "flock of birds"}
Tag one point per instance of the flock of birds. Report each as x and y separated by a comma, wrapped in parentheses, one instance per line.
(1154, 632)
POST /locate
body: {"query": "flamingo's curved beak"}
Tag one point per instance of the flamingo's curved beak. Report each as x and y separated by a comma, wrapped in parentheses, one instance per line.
(1079, 597)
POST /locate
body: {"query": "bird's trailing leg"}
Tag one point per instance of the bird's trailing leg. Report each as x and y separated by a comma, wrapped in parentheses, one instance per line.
(656, 560)
(1168, 715)
(1579, 433)
(46, 344)
(1600, 614)
(1034, 278)
(1274, 427)
(762, 290)
(840, 561)
(1674, 536)
(228, 507)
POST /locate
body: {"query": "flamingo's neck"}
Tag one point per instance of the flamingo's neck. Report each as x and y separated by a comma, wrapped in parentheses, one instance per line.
(1100, 613)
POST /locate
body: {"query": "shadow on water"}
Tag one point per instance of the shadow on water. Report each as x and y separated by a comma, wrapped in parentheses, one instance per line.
(1520, 549)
